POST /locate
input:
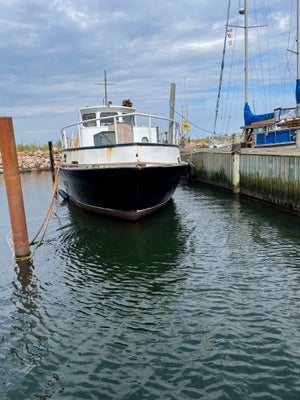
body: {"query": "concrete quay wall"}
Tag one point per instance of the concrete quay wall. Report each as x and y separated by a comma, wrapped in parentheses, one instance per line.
(269, 175)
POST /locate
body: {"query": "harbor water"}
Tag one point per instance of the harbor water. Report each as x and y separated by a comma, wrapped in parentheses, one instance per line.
(200, 300)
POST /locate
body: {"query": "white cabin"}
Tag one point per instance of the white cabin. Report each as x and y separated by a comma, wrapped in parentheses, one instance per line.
(110, 125)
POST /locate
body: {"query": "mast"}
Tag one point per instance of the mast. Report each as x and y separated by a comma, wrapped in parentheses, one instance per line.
(244, 12)
(298, 56)
(246, 52)
(105, 88)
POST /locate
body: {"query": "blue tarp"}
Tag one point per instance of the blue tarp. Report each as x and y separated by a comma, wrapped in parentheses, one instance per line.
(298, 91)
(249, 117)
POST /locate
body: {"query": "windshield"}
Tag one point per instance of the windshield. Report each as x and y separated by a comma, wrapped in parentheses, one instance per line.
(107, 120)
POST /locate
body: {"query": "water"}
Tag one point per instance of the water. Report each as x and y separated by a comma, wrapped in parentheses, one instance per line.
(199, 301)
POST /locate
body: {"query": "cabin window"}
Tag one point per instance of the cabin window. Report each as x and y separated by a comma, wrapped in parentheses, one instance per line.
(129, 119)
(105, 138)
(108, 117)
(86, 117)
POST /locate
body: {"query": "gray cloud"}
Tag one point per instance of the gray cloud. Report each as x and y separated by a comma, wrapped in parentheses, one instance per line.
(53, 52)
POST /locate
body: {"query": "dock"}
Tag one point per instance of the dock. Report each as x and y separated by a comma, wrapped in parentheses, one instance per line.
(268, 174)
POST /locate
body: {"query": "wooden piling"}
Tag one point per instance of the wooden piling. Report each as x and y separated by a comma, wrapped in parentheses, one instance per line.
(50, 148)
(236, 147)
(171, 113)
(298, 138)
(14, 189)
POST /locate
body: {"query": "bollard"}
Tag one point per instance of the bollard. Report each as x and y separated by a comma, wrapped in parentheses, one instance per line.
(14, 189)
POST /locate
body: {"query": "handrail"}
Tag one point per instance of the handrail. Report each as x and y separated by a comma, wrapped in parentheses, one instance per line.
(69, 138)
(135, 114)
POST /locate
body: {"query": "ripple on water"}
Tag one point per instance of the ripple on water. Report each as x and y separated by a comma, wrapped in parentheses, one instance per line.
(197, 301)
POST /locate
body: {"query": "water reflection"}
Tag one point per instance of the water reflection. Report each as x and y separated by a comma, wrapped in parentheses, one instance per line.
(186, 303)
(152, 244)
(24, 343)
(249, 218)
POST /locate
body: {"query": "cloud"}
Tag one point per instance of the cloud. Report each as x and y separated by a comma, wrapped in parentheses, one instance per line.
(56, 50)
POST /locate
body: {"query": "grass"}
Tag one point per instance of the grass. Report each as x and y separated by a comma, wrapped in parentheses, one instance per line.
(32, 147)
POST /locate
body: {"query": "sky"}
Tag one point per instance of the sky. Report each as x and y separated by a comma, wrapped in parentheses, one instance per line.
(53, 54)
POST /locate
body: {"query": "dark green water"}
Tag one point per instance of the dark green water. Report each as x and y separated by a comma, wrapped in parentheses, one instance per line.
(199, 301)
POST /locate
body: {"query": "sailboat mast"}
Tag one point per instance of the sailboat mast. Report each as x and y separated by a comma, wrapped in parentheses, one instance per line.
(298, 58)
(246, 52)
(244, 11)
(298, 39)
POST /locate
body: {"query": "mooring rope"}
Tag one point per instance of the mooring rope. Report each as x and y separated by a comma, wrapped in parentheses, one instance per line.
(46, 221)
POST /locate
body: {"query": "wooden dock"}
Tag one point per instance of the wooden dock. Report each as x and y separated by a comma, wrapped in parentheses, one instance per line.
(267, 174)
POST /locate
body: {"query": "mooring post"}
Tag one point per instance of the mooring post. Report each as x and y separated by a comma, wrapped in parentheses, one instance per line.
(298, 139)
(171, 114)
(50, 148)
(14, 189)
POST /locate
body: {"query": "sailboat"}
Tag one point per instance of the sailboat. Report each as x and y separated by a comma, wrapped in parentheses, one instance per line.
(276, 128)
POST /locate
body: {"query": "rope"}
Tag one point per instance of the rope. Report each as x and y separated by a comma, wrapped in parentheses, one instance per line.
(222, 68)
(45, 223)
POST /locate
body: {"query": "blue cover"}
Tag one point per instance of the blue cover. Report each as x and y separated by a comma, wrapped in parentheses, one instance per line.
(249, 117)
(298, 91)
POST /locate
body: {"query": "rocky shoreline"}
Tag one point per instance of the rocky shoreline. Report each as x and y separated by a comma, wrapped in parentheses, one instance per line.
(35, 161)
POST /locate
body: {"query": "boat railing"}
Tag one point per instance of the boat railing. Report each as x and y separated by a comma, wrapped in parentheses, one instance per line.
(168, 128)
(283, 114)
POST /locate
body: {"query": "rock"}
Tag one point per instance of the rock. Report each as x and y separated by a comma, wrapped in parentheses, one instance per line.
(34, 161)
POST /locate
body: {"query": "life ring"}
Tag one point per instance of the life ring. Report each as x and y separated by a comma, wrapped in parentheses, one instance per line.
(185, 125)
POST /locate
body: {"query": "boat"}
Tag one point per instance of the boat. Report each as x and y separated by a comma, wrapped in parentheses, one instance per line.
(119, 162)
(279, 127)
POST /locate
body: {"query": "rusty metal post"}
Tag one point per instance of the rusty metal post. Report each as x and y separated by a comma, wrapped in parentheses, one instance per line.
(14, 189)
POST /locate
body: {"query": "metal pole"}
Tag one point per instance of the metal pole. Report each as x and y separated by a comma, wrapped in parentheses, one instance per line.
(14, 190)
(105, 88)
(298, 71)
(246, 52)
(298, 39)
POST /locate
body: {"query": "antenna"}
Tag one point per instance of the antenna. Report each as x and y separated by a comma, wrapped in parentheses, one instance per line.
(105, 87)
